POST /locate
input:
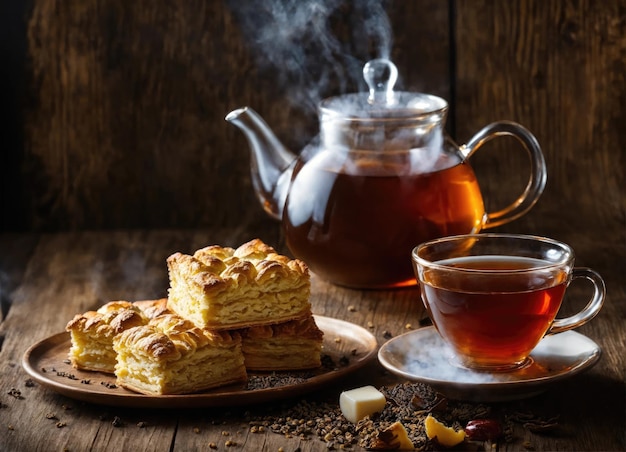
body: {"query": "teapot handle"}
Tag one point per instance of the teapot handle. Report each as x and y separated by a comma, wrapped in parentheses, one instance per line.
(538, 172)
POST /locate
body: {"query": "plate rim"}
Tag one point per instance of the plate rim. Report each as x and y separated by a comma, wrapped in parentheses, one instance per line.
(329, 325)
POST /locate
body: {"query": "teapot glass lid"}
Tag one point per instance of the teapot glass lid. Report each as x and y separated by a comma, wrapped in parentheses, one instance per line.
(382, 101)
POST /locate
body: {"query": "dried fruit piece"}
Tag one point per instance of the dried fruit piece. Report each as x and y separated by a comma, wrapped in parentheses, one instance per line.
(445, 436)
(395, 437)
(483, 430)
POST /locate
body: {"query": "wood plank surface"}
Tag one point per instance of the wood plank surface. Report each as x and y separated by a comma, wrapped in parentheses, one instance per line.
(557, 68)
(119, 155)
(72, 272)
(123, 104)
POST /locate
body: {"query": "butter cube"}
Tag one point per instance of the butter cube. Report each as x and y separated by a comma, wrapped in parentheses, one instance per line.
(357, 403)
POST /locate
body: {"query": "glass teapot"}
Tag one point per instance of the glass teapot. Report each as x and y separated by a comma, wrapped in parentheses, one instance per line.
(381, 178)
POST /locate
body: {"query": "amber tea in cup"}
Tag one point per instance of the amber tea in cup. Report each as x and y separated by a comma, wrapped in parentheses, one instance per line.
(493, 297)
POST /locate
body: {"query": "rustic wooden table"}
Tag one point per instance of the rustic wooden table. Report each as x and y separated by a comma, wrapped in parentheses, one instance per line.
(47, 278)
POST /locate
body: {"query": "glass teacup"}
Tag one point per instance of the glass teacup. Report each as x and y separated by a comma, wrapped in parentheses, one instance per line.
(493, 297)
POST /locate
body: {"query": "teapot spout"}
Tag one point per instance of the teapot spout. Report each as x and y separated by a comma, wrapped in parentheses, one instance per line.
(271, 164)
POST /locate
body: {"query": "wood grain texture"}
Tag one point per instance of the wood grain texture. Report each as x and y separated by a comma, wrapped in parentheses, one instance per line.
(124, 118)
(123, 129)
(557, 68)
(67, 273)
(123, 105)
(129, 100)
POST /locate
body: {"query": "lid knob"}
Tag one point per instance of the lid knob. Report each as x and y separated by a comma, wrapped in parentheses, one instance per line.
(381, 76)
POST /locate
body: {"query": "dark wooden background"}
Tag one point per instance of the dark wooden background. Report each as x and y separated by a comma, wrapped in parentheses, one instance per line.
(113, 111)
(112, 119)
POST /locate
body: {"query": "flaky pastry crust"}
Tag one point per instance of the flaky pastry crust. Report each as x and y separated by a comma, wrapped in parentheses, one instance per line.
(171, 355)
(292, 345)
(92, 334)
(225, 288)
(153, 308)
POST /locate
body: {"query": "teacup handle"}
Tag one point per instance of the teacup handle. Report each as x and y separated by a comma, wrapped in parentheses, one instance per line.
(538, 173)
(589, 311)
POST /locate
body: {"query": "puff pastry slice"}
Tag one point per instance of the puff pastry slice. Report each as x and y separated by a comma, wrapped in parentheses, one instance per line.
(170, 355)
(293, 345)
(92, 334)
(225, 288)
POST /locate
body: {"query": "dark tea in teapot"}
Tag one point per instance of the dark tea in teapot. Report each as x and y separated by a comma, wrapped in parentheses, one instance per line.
(381, 177)
(376, 212)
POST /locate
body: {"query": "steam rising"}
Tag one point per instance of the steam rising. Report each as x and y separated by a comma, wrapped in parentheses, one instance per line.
(315, 48)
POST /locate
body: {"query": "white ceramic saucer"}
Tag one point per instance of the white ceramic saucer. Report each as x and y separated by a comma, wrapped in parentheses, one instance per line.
(422, 356)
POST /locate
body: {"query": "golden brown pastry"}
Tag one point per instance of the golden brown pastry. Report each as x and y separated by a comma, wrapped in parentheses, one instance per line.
(153, 308)
(293, 345)
(92, 334)
(170, 355)
(224, 288)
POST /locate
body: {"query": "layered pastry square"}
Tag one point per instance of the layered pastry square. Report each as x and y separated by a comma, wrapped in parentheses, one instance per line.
(92, 334)
(225, 288)
(171, 355)
(293, 345)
